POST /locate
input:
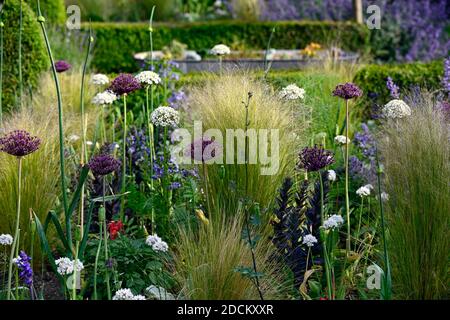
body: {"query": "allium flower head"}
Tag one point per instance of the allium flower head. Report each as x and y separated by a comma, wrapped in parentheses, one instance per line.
(62, 66)
(309, 240)
(164, 116)
(292, 92)
(100, 79)
(124, 83)
(104, 164)
(315, 158)
(25, 271)
(347, 91)
(341, 140)
(396, 109)
(203, 149)
(220, 50)
(66, 266)
(331, 175)
(364, 191)
(104, 98)
(148, 78)
(6, 239)
(156, 243)
(127, 294)
(19, 143)
(333, 222)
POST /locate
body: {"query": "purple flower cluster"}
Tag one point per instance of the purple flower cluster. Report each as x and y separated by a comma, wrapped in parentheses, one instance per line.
(365, 141)
(203, 149)
(25, 271)
(393, 88)
(446, 77)
(347, 91)
(158, 168)
(104, 164)
(124, 83)
(177, 99)
(62, 66)
(19, 143)
(360, 171)
(315, 158)
(137, 146)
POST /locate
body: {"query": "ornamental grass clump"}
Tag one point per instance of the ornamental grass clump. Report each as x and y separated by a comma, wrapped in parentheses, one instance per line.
(415, 151)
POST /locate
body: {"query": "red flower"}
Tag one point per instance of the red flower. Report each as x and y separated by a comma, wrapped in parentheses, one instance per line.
(114, 228)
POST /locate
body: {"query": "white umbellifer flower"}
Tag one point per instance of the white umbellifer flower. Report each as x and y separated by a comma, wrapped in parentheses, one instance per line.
(156, 243)
(6, 239)
(333, 222)
(165, 117)
(396, 109)
(369, 186)
(292, 92)
(74, 138)
(148, 78)
(220, 50)
(104, 98)
(123, 294)
(139, 297)
(341, 140)
(384, 196)
(100, 79)
(309, 240)
(364, 191)
(331, 175)
(67, 266)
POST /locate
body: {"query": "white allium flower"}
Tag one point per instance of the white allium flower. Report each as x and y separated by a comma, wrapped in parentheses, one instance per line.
(100, 79)
(309, 240)
(396, 109)
(165, 117)
(104, 98)
(364, 191)
(220, 50)
(123, 294)
(292, 92)
(331, 175)
(156, 243)
(148, 78)
(139, 297)
(67, 266)
(369, 186)
(74, 138)
(341, 140)
(333, 222)
(384, 196)
(6, 239)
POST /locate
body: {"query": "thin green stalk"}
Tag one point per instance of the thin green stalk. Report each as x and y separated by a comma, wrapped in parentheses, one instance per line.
(324, 238)
(2, 25)
(16, 230)
(105, 234)
(347, 199)
(150, 30)
(74, 283)
(20, 55)
(205, 177)
(97, 255)
(124, 157)
(360, 216)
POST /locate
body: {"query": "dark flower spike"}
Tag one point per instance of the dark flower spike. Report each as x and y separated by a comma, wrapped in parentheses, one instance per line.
(19, 143)
(347, 91)
(62, 66)
(315, 159)
(124, 83)
(25, 271)
(104, 164)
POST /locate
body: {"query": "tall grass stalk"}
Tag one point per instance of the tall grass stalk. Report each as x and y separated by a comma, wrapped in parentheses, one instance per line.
(150, 31)
(20, 54)
(416, 156)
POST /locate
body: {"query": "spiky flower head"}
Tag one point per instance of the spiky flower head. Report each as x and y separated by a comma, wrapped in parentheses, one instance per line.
(104, 164)
(62, 66)
(341, 140)
(164, 116)
(220, 50)
(347, 91)
(19, 143)
(100, 79)
(104, 98)
(6, 239)
(315, 158)
(396, 109)
(124, 83)
(148, 78)
(25, 271)
(333, 222)
(156, 243)
(127, 294)
(292, 92)
(309, 240)
(66, 266)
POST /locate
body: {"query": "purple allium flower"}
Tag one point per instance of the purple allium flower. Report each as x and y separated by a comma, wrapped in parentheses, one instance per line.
(104, 164)
(347, 91)
(124, 83)
(315, 159)
(446, 77)
(25, 271)
(19, 143)
(393, 88)
(62, 66)
(203, 149)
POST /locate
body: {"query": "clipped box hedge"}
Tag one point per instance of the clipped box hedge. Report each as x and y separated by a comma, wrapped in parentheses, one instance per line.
(116, 43)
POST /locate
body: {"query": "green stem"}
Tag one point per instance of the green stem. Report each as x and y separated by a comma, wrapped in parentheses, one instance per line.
(97, 255)
(328, 266)
(74, 276)
(150, 29)
(105, 234)
(1, 72)
(347, 199)
(20, 55)
(360, 217)
(124, 157)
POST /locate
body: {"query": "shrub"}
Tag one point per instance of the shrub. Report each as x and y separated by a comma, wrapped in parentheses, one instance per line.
(416, 153)
(54, 11)
(34, 57)
(133, 38)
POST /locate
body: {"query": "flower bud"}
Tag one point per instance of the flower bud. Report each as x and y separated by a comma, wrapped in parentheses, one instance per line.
(41, 19)
(101, 214)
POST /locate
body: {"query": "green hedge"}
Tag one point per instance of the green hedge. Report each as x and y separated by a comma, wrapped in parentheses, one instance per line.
(34, 57)
(54, 11)
(116, 43)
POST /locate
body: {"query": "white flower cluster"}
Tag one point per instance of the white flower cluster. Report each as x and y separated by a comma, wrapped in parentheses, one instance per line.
(220, 50)
(384, 196)
(341, 140)
(100, 79)
(104, 98)
(126, 294)
(6, 239)
(292, 92)
(396, 109)
(364, 191)
(156, 243)
(165, 117)
(67, 266)
(331, 175)
(309, 240)
(333, 222)
(148, 78)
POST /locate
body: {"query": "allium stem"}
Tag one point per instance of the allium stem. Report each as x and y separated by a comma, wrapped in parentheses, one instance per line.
(16, 230)
(150, 30)
(124, 157)
(105, 234)
(97, 255)
(1, 72)
(20, 55)
(347, 199)
(328, 267)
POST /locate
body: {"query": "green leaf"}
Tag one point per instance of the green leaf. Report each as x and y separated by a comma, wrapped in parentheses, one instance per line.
(110, 198)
